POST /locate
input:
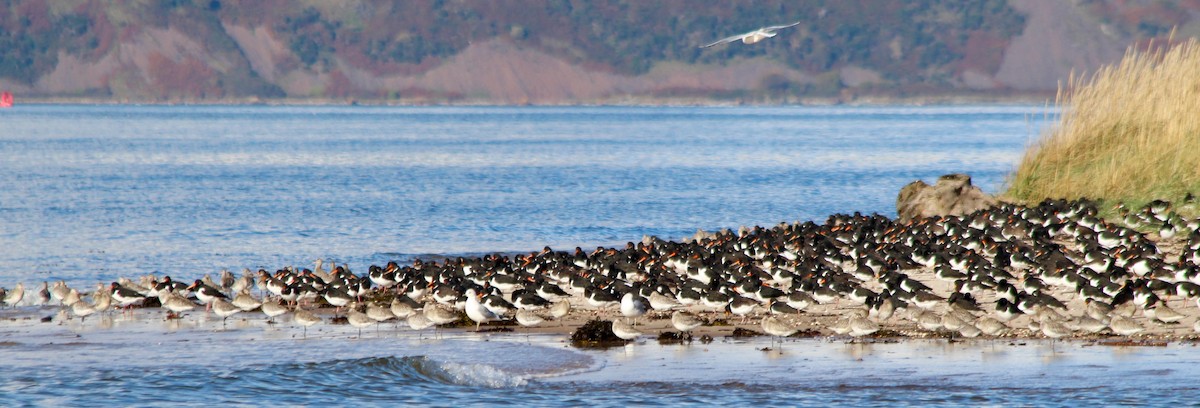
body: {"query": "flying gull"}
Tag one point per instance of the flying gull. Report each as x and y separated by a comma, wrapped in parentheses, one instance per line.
(753, 36)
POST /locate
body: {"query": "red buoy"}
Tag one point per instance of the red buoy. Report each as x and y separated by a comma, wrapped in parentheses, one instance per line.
(6, 99)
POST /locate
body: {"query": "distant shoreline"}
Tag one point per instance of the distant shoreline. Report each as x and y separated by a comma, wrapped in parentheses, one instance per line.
(1026, 99)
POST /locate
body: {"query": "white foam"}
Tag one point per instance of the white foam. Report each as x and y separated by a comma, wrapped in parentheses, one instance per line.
(481, 375)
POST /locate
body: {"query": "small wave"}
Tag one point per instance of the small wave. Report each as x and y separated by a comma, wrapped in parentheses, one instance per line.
(480, 375)
(410, 370)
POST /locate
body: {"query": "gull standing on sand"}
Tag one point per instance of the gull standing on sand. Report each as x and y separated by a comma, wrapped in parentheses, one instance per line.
(476, 311)
(753, 36)
(633, 306)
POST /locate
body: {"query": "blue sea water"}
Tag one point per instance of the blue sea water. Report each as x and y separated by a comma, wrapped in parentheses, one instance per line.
(90, 193)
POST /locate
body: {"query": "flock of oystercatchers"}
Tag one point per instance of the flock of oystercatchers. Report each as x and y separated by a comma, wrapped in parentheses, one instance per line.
(1055, 269)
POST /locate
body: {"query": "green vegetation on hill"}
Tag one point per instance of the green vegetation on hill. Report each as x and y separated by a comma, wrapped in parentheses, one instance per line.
(30, 42)
(346, 48)
(1128, 133)
(910, 43)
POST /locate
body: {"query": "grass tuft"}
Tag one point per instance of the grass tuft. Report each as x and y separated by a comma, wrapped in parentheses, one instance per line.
(1127, 133)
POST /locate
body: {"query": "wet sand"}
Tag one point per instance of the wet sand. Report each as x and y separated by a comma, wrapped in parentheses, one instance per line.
(131, 359)
(813, 322)
(816, 320)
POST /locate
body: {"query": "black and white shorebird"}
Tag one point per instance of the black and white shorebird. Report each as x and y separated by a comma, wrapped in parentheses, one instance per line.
(337, 297)
(124, 296)
(205, 293)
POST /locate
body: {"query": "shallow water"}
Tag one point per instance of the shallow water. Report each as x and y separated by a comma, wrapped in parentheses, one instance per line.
(88, 193)
(143, 360)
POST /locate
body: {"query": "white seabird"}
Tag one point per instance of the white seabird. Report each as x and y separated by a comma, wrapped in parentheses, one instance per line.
(753, 36)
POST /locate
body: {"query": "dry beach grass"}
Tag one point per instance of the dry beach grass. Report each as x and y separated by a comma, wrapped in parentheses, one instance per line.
(1127, 133)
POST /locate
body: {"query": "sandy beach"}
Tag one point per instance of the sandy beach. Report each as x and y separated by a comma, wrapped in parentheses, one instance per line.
(1147, 297)
(813, 322)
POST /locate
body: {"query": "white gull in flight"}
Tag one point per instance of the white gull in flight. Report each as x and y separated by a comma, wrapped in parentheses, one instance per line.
(753, 36)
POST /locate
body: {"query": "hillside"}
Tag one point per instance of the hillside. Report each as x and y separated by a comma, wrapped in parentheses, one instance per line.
(563, 51)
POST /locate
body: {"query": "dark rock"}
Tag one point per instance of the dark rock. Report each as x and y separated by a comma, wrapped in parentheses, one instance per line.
(671, 337)
(806, 333)
(740, 332)
(150, 302)
(886, 333)
(462, 322)
(596, 333)
(953, 194)
(496, 330)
